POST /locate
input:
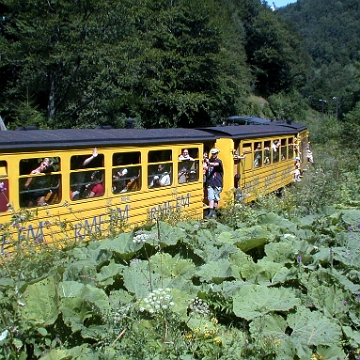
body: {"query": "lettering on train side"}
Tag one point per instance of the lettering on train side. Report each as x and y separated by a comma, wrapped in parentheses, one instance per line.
(81, 230)
(270, 179)
(168, 206)
(251, 185)
(285, 173)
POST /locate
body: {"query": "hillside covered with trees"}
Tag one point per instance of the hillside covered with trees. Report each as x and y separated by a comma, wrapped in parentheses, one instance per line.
(331, 32)
(165, 63)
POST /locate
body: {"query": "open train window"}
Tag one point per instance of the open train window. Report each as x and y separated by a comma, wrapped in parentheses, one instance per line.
(159, 156)
(160, 175)
(276, 150)
(283, 150)
(4, 187)
(291, 147)
(93, 160)
(188, 165)
(42, 185)
(87, 184)
(258, 158)
(267, 153)
(126, 175)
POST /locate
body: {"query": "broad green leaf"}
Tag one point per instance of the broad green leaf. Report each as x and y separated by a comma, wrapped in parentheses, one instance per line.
(329, 299)
(281, 252)
(75, 353)
(270, 325)
(252, 301)
(170, 235)
(167, 266)
(250, 238)
(41, 302)
(80, 302)
(214, 271)
(138, 278)
(109, 273)
(331, 353)
(312, 328)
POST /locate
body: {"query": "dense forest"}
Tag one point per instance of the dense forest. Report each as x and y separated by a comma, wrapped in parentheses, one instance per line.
(331, 33)
(174, 63)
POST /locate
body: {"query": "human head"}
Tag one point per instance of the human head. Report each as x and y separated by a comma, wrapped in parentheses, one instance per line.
(185, 152)
(160, 168)
(96, 176)
(45, 164)
(214, 152)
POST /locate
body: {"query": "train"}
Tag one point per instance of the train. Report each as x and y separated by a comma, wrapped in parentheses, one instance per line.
(80, 184)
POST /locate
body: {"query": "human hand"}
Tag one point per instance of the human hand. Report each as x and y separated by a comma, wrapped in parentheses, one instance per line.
(95, 152)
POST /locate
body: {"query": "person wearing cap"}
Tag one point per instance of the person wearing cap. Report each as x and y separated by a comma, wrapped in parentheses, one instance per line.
(214, 181)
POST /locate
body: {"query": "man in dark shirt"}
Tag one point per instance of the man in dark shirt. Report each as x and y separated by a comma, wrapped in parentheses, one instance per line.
(214, 181)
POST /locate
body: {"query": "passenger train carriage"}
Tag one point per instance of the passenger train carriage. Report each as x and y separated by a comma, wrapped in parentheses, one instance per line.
(95, 179)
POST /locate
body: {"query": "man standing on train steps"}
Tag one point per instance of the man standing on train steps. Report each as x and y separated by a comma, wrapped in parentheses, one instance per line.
(214, 181)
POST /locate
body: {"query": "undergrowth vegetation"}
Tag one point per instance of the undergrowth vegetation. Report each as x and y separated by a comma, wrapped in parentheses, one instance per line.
(277, 279)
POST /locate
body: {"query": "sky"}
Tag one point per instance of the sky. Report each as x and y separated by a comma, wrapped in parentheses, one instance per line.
(281, 3)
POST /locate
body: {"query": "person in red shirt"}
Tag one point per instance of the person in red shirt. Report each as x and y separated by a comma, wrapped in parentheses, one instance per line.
(97, 188)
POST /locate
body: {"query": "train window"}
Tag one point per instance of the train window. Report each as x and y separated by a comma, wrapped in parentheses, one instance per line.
(160, 175)
(188, 171)
(267, 153)
(127, 158)
(125, 176)
(258, 154)
(276, 150)
(87, 161)
(4, 187)
(283, 150)
(42, 186)
(159, 156)
(189, 153)
(86, 184)
(291, 148)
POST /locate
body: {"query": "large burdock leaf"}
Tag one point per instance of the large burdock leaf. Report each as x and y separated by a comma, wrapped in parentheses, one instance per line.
(41, 302)
(310, 328)
(170, 267)
(77, 352)
(281, 252)
(138, 278)
(252, 301)
(252, 237)
(109, 273)
(329, 299)
(215, 271)
(270, 325)
(80, 302)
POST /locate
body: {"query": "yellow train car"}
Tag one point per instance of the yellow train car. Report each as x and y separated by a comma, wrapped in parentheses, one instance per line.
(260, 159)
(60, 185)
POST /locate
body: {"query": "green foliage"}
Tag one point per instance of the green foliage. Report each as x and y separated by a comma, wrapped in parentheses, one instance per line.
(276, 287)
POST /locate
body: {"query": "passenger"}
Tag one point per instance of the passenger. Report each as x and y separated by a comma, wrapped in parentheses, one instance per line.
(267, 155)
(297, 172)
(185, 156)
(310, 156)
(38, 197)
(205, 165)
(275, 148)
(96, 188)
(161, 177)
(214, 182)
(119, 180)
(91, 158)
(257, 158)
(238, 157)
